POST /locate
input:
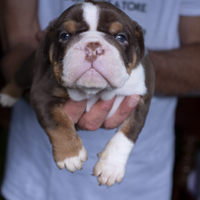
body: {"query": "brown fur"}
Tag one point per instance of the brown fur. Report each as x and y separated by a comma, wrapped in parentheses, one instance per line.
(60, 92)
(139, 34)
(57, 71)
(116, 28)
(51, 54)
(132, 64)
(133, 125)
(70, 26)
(65, 141)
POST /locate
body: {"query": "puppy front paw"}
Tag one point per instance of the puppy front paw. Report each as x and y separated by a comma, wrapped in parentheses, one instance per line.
(112, 160)
(73, 163)
(108, 170)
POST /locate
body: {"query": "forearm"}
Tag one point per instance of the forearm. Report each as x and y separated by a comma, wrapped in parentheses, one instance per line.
(20, 22)
(19, 28)
(177, 71)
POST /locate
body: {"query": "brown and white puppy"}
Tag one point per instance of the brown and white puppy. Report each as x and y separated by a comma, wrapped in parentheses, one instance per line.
(93, 50)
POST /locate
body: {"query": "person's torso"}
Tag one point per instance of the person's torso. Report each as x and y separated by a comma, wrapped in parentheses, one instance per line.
(159, 19)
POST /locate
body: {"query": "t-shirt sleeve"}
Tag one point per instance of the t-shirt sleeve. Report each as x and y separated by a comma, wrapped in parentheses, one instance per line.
(190, 8)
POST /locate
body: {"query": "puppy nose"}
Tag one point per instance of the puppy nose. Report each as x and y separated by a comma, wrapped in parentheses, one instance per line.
(92, 50)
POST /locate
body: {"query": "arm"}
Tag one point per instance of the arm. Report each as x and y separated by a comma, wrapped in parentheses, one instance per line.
(177, 71)
(20, 25)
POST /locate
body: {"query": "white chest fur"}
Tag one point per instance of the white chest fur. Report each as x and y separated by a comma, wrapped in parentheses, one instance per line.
(134, 85)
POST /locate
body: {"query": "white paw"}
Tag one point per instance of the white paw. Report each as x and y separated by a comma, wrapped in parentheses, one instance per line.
(7, 101)
(108, 172)
(112, 160)
(74, 163)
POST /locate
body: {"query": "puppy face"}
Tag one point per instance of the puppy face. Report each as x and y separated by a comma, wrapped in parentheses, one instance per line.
(94, 47)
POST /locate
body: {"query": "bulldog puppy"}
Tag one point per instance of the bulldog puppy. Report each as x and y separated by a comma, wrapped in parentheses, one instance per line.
(92, 51)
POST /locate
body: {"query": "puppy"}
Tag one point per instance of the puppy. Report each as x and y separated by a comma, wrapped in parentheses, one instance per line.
(92, 51)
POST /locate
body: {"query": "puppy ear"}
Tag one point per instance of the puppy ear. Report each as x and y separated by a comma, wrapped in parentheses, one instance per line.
(51, 26)
(49, 31)
(43, 53)
(140, 38)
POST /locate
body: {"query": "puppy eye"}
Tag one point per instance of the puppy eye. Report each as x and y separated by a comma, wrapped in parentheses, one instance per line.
(64, 36)
(121, 38)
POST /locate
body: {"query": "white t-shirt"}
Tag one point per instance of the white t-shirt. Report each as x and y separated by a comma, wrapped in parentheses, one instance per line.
(31, 173)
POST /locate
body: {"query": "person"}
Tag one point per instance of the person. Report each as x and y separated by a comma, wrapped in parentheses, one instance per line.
(172, 37)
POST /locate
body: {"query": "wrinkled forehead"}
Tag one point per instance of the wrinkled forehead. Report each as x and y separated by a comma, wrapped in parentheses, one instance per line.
(100, 16)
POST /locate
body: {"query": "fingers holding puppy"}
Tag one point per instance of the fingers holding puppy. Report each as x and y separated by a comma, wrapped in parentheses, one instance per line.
(125, 109)
(94, 119)
(75, 109)
(97, 115)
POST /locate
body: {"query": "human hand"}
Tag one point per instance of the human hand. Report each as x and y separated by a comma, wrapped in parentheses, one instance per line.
(96, 117)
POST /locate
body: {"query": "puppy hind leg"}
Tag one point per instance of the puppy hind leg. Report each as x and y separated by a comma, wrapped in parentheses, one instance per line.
(21, 81)
(10, 94)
